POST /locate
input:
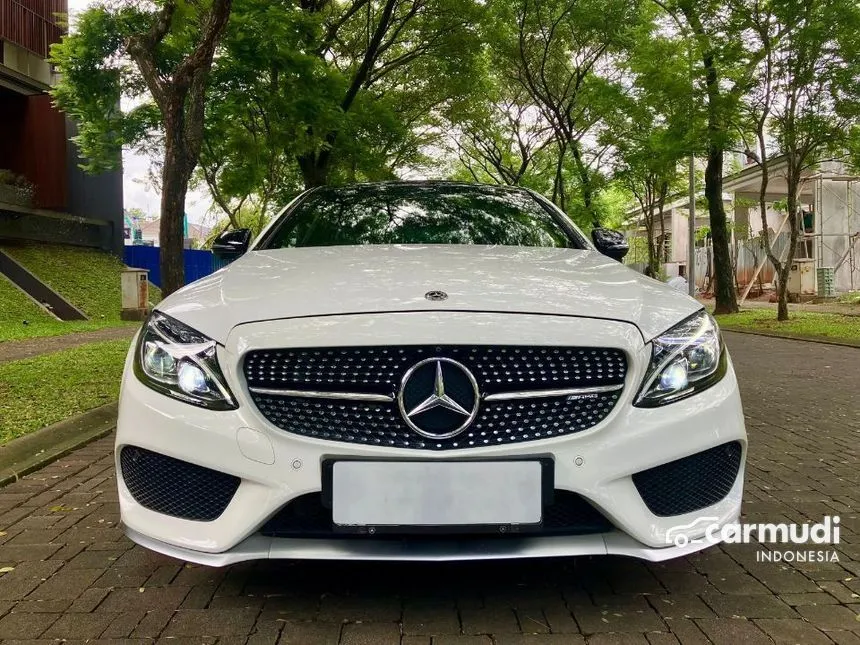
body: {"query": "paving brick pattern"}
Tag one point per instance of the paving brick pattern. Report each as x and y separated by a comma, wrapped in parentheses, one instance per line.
(69, 574)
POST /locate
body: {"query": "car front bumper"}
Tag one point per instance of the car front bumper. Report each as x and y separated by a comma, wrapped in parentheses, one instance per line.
(258, 547)
(276, 467)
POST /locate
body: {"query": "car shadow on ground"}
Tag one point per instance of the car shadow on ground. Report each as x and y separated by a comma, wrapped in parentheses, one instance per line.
(455, 581)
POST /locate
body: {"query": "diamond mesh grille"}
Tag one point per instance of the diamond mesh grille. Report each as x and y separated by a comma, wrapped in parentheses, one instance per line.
(379, 370)
(692, 483)
(380, 424)
(175, 487)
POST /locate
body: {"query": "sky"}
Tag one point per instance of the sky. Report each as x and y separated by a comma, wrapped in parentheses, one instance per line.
(137, 191)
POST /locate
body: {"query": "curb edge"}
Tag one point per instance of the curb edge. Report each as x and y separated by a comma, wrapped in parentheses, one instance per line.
(37, 449)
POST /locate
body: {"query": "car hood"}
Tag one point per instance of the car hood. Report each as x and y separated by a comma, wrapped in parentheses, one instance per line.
(319, 281)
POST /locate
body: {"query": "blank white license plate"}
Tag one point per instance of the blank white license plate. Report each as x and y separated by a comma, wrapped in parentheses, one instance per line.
(424, 493)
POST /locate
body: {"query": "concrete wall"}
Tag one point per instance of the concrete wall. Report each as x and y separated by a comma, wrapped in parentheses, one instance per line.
(26, 62)
(94, 196)
(680, 227)
(679, 236)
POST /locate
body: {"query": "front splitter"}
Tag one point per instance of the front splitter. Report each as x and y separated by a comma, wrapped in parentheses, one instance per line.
(258, 547)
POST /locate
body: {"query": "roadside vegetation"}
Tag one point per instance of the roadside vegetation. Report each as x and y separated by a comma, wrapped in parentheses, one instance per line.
(802, 324)
(15, 305)
(87, 278)
(851, 298)
(21, 318)
(580, 100)
(39, 391)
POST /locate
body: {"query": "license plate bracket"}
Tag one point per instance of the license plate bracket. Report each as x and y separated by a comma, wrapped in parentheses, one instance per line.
(529, 477)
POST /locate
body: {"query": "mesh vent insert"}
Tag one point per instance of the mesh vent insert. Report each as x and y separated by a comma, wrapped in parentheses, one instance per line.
(691, 483)
(175, 487)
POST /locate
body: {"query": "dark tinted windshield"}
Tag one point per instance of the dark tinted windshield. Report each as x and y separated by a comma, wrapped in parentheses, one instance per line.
(419, 213)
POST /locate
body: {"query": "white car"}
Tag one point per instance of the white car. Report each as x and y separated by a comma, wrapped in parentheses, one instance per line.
(425, 371)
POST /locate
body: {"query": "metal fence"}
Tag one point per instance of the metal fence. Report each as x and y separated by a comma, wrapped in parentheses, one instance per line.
(198, 264)
(747, 255)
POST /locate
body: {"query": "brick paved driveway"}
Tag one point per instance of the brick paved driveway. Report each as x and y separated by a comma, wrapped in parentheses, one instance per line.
(75, 577)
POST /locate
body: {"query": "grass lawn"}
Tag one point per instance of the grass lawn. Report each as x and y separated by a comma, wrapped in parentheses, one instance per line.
(851, 298)
(88, 278)
(800, 324)
(39, 391)
(16, 306)
(20, 317)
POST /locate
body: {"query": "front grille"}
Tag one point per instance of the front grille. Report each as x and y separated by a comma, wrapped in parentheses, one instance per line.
(175, 487)
(380, 424)
(691, 483)
(379, 371)
(307, 517)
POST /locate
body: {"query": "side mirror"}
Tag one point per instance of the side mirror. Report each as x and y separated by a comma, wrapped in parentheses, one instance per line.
(231, 244)
(610, 243)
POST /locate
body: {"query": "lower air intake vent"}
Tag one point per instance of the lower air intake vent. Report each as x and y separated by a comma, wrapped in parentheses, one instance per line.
(175, 487)
(692, 483)
(306, 517)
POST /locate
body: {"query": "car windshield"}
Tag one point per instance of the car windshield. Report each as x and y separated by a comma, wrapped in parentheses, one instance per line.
(419, 213)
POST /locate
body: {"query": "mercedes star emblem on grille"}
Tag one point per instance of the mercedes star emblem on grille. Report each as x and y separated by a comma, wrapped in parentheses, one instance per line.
(436, 296)
(438, 398)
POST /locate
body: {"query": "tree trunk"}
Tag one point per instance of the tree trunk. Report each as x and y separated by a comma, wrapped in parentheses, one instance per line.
(175, 175)
(315, 169)
(558, 195)
(662, 258)
(584, 182)
(180, 97)
(782, 293)
(724, 280)
(724, 287)
(649, 232)
(780, 270)
(794, 179)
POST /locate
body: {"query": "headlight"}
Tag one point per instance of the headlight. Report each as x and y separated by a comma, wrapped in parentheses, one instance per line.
(686, 359)
(174, 359)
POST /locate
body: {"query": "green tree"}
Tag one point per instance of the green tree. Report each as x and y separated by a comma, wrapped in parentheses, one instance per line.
(653, 129)
(804, 106)
(560, 53)
(648, 167)
(304, 94)
(716, 31)
(502, 137)
(394, 60)
(160, 55)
